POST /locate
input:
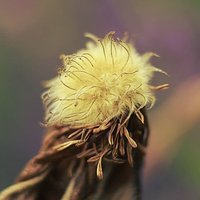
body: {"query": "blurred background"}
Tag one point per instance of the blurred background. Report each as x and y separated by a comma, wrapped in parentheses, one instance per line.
(34, 33)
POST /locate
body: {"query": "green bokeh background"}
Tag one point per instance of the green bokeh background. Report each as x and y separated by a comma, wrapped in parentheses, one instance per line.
(34, 33)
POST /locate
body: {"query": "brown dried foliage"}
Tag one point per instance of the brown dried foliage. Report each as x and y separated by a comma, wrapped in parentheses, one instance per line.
(69, 163)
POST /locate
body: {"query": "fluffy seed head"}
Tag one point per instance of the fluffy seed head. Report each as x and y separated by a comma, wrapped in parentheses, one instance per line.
(106, 79)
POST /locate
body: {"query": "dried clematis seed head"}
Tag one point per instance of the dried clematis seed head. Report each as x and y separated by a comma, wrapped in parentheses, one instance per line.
(95, 110)
(103, 81)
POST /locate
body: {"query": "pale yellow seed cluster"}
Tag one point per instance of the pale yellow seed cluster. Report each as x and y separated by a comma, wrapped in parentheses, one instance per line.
(106, 79)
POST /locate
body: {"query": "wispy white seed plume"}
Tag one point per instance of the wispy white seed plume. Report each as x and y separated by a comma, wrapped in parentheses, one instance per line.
(106, 79)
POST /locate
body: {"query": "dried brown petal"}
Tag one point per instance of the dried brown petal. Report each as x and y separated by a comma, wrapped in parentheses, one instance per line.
(130, 140)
